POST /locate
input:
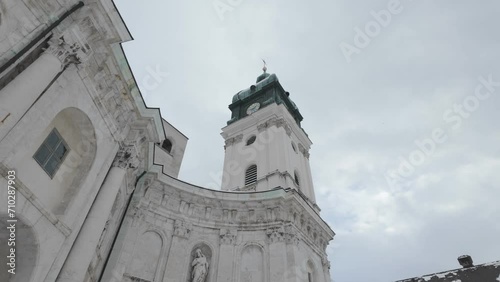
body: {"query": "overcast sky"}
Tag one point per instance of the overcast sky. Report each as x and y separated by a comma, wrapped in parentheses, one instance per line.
(369, 103)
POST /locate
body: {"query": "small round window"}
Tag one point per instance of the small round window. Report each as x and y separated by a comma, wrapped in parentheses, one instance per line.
(251, 140)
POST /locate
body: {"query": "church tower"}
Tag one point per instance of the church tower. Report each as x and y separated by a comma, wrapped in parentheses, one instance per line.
(264, 226)
(266, 147)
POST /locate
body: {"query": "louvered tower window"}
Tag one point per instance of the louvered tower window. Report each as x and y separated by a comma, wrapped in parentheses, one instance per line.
(251, 175)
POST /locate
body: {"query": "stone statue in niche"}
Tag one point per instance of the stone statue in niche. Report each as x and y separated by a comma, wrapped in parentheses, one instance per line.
(200, 267)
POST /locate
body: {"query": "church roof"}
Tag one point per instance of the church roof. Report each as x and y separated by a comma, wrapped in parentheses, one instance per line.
(265, 91)
(488, 272)
(262, 81)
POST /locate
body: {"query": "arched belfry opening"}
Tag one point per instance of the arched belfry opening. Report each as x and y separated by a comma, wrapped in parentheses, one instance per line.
(167, 145)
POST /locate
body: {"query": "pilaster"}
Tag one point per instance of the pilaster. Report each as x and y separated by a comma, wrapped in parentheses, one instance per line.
(176, 267)
(226, 257)
(277, 253)
(292, 254)
(78, 260)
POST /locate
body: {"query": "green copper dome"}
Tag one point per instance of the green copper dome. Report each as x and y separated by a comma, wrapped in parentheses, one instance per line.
(267, 90)
(262, 77)
(263, 80)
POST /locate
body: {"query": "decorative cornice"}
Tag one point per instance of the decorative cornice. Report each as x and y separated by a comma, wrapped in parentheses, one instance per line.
(296, 223)
(252, 187)
(304, 151)
(234, 140)
(291, 235)
(276, 234)
(274, 121)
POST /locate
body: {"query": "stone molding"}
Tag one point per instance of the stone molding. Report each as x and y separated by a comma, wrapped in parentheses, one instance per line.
(233, 140)
(304, 151)
(251, 187)
(131, 278)
(276, 234)
(297, 224)
(274, 121)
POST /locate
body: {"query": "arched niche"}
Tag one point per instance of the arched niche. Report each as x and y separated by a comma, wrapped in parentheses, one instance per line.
(26, 251)
(311, 272)
(200, 263)
(58, 190)
(252, 264)
(147, 252)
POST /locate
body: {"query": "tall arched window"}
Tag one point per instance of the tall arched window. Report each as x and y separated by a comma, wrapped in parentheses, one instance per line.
(167, 145)
(310, 272)
(251, 175)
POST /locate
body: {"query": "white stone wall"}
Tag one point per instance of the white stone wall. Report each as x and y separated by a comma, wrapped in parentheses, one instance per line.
(22, 20)
(266, 236)
(95, 105)
(171, 161)
(75, 218)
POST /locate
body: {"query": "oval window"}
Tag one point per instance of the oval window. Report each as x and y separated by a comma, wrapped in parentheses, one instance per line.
(251, 140)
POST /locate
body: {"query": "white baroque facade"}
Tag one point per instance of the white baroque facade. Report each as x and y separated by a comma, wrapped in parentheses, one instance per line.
(97, 194)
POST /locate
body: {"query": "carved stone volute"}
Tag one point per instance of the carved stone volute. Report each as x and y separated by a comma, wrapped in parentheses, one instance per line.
(182, 229)
(325, 262)
(66, 53)
(228, 236)
(126, 157)
(275, 234)
(291, 235)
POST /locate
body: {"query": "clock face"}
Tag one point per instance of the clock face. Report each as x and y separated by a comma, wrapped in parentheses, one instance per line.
(253, 108)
